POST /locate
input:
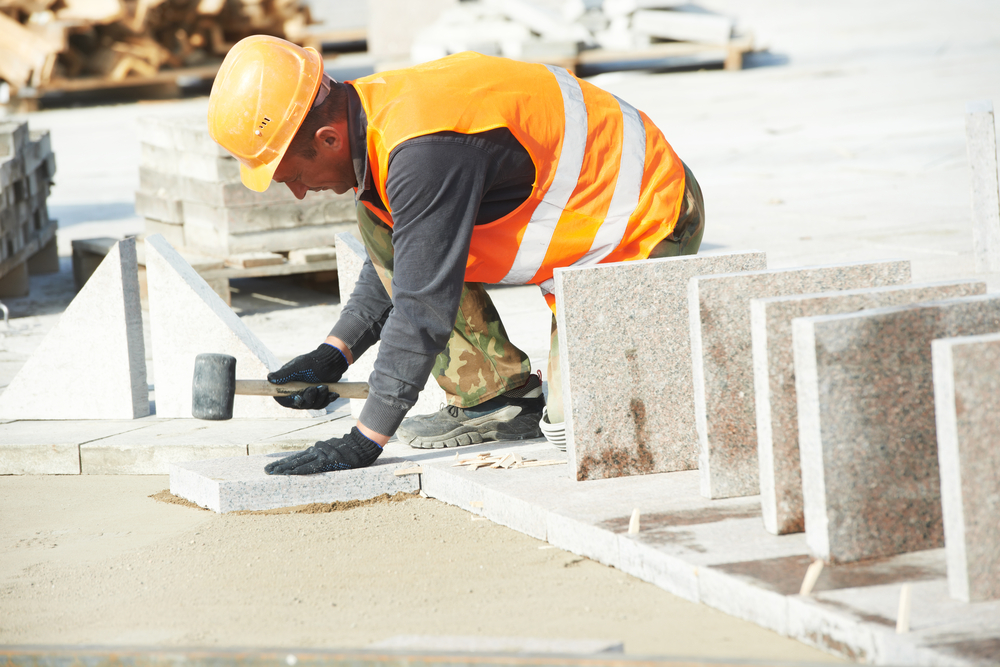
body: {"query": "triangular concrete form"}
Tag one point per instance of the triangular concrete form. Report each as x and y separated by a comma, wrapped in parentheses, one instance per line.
(92, 365)
(188, 318)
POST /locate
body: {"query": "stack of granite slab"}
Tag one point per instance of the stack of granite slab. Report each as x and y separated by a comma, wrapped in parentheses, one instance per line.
(812, 387)
(190, 192)
(27, 235)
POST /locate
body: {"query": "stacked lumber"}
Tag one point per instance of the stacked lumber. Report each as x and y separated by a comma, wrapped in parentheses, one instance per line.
(26, 168)
(574, 32)
(190, 191)
(43, 42)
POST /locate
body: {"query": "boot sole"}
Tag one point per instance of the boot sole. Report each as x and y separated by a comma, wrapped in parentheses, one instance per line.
(468, 435)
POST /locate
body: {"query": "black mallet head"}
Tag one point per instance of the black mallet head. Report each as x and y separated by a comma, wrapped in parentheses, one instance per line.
(213, 387)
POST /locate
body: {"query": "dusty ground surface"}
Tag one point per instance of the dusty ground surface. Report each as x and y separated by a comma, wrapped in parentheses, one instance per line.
(95, 560)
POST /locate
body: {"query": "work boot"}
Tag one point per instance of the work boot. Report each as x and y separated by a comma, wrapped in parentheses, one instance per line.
(510, 416)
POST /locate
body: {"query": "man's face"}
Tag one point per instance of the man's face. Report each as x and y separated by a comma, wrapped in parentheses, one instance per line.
(330, 169)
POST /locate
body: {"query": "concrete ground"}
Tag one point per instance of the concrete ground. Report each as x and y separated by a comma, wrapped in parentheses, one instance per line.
(844, 141)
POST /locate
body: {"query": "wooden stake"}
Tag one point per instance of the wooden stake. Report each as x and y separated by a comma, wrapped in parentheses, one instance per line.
(633, 523)
(812, 574)
(903, 615)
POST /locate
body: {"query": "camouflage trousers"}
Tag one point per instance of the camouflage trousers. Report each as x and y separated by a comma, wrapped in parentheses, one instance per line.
(480, 362)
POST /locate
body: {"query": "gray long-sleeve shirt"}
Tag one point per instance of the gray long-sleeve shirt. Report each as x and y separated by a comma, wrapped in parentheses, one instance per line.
(440, 186)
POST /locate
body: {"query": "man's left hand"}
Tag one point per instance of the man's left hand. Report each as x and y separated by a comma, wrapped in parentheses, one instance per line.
(347, 452)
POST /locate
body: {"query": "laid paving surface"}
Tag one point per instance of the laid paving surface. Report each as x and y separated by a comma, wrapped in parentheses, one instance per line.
(712, 551)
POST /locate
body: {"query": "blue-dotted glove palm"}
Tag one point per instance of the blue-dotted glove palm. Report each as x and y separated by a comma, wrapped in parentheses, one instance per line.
(350, 451)
(324, 364)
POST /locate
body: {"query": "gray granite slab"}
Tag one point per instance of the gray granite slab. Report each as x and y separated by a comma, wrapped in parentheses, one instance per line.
(722, 357)
(967, 409)
(96, 352)
(774, 382)
(625, 359)
(167, 441)
(240, 483)
(52, 447)
(981, 142)
(867, 436)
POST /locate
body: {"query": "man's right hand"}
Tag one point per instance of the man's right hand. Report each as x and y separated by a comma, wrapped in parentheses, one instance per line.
(324, 364)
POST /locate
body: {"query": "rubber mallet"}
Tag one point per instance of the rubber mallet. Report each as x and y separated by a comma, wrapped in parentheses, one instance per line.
(215, 385)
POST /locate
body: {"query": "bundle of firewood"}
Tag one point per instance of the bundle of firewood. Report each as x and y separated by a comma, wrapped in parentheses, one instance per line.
(44, 41)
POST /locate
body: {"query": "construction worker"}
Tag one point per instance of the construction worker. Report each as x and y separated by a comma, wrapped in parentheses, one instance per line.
(468, 170)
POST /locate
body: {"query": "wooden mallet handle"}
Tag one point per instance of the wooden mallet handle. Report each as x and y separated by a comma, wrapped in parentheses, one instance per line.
(265, 388)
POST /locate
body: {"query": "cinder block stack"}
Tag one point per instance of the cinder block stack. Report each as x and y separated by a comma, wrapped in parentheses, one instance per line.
(190, 192)
(27, 236)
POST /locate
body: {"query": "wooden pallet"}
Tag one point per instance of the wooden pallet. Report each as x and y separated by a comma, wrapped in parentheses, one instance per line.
(731, 53)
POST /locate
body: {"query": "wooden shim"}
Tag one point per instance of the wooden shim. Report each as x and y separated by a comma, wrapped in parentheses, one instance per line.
(539, 464)
(408, 471)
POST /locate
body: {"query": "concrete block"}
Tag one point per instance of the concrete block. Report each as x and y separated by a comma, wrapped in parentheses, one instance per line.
(683, 26)
(159, 206)
(625, 359)
(233, 484)
(351, 256)
(188, 318)
(867, 437)
(981, 142)
(95, 352)
(172, 232)
(271, 215)
(774, 382)
(14, 283)
(967, 411)
(53, 448)
(310, 255)
(218, 169)
(721, 352)
(214, 240)
(46, 260)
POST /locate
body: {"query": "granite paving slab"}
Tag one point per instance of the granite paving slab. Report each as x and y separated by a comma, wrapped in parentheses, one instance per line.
(722, 358)
(625, 360)
(867, 436)
(967, 411)
(774, 382)
(177, 440)
(240, 483)
(52, 447)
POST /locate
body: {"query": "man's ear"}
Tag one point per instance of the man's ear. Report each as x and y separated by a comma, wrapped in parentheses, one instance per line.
(328, 138)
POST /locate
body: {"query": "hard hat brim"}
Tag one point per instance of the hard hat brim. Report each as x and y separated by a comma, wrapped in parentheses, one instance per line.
(258, 178)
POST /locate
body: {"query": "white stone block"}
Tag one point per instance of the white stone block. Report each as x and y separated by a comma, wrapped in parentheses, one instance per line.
(981, 139)
(189, 318)
(683, 26)
(92, 365)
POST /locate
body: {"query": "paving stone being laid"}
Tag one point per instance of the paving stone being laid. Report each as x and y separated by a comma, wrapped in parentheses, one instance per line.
(188, 318)
(351, 256)
(167, 441)
(240, 483)
(52, 447)
(722, 356)
(95, 355)
(625, 359)
(867, 436)
(967, 410)
(774, 382)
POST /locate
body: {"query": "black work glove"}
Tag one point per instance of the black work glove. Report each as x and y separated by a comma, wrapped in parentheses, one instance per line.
(324, 364)
(347, 452)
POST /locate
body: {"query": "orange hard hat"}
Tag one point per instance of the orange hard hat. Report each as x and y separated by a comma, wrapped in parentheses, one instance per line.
(260, 97)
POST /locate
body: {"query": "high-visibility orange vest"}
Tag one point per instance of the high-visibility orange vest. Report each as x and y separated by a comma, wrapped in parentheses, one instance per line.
(608, 187)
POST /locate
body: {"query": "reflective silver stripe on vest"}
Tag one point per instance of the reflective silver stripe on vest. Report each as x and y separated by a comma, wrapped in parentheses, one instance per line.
(627, 188)
(626, 195)
(538, 233)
